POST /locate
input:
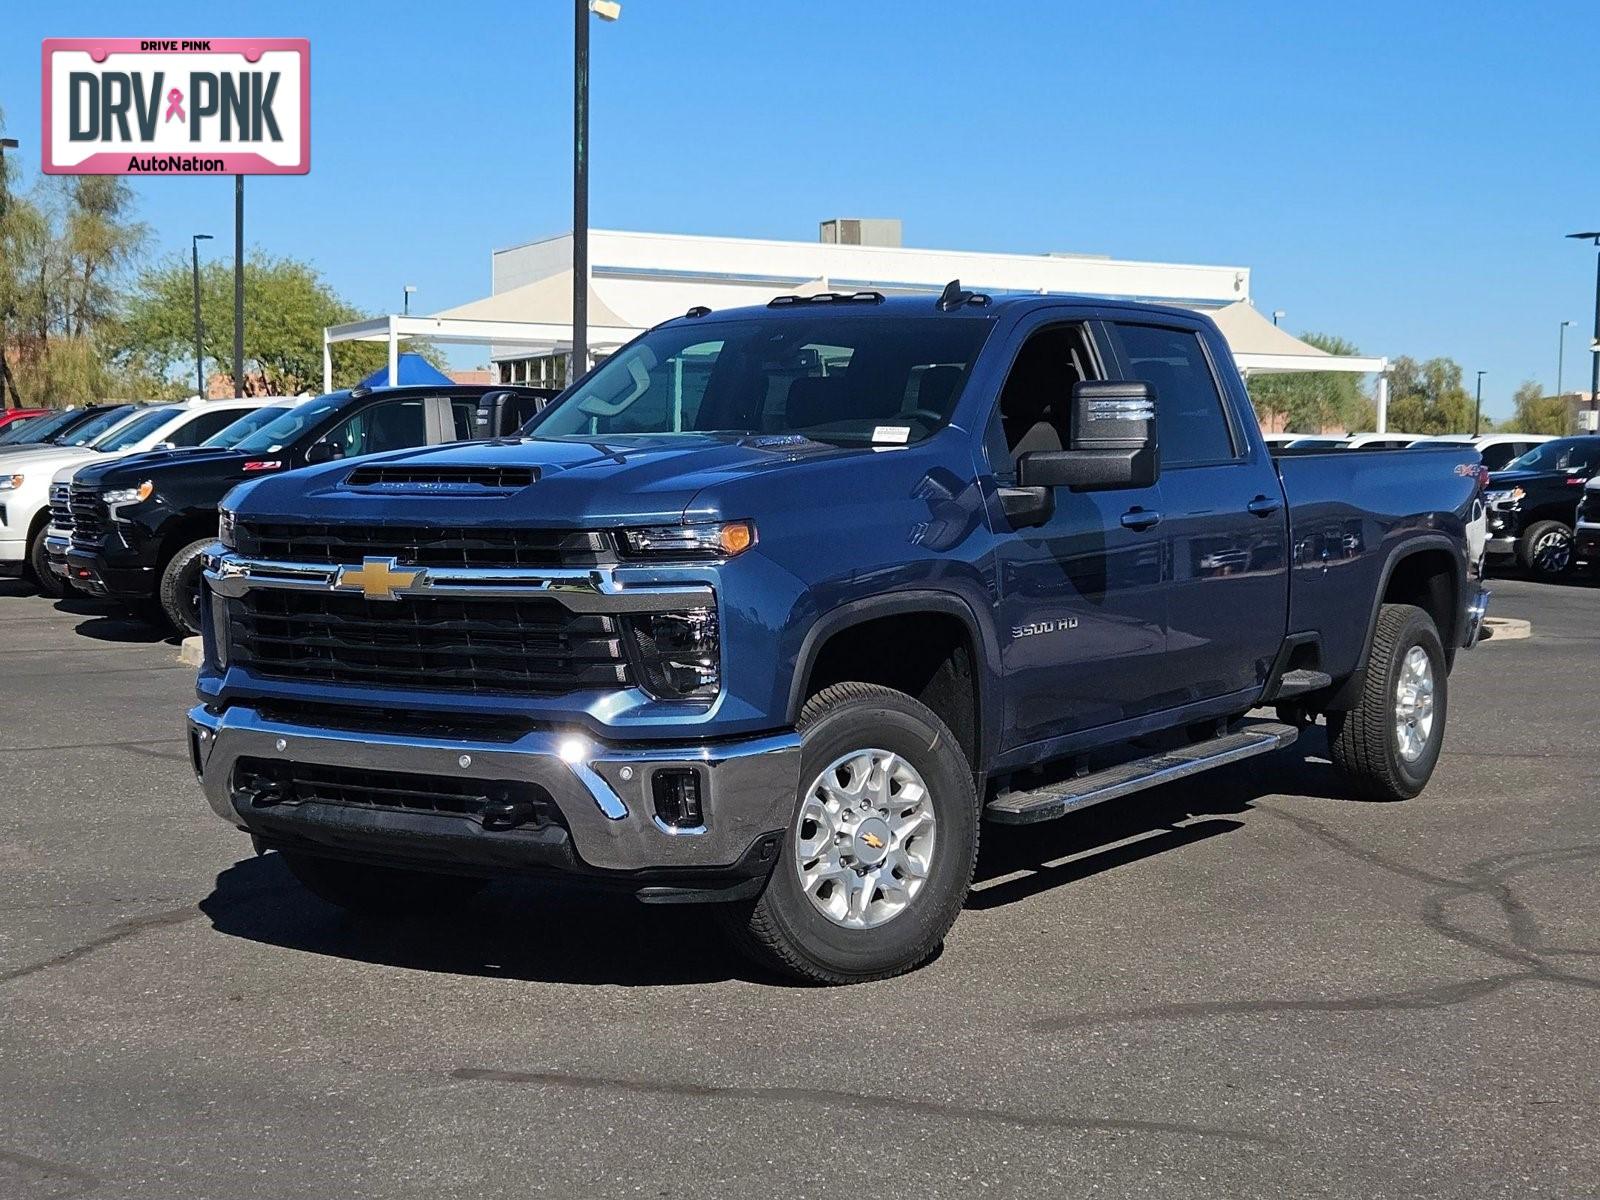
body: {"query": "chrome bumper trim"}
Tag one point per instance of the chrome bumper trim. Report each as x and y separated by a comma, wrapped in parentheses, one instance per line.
(580, 589)
(603, 791)
(1476, 611)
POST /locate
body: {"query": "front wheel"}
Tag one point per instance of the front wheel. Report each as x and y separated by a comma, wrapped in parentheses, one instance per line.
(1388, 744)
(179, 593)
(881, 849)
(1545, 550)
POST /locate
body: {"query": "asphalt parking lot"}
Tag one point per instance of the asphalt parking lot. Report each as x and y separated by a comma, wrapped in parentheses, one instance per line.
(1241, 985)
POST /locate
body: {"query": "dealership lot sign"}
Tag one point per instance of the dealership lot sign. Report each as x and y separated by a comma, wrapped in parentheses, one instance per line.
(149, 106)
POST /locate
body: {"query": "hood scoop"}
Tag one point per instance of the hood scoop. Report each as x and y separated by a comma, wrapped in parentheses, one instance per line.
(419, 480)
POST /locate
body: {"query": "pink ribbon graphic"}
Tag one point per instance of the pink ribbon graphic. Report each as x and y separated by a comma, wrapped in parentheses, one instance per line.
(174, 106)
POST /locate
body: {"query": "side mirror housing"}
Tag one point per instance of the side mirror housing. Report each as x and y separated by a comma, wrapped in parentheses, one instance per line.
(321, 452)
(1113, 441)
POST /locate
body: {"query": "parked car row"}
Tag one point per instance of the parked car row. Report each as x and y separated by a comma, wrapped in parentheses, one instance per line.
(121, 501)
(1495, 450)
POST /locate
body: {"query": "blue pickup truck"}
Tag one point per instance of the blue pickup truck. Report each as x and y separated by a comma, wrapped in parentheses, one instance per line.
(776, 606)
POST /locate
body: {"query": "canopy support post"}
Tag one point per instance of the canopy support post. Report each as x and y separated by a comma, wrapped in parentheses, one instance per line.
(394, 354)
(1383, 401)
(327, 364)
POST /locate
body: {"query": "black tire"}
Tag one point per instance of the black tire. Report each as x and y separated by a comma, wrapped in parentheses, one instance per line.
(1545, 550)
(782, 929)
(39, 573)
(389, 892)
(1365, 741)
(179, 591)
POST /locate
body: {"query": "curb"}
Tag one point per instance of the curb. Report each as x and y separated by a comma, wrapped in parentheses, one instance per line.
(190, 654)
(1505, 629)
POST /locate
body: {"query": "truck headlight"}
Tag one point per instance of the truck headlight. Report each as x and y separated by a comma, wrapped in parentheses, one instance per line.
(680, 653)
(130, 495)
(225, 524)
(724, 540)
(10, 483)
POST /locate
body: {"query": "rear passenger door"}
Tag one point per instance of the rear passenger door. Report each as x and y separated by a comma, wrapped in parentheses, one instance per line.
(1222, 513)
(203, 425)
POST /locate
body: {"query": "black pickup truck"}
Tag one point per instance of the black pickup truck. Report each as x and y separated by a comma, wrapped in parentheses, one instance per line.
(140, 525)
(776, 605)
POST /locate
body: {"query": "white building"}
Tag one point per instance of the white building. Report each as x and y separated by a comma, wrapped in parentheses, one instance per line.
(640, 279)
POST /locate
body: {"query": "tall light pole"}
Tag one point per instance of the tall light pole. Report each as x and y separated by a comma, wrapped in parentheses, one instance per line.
(238, 285)
(405, 304)
(1477, 413)
(606, 10)
(5, 313)
(1276, 313)
(1593, 235)
(199, 329)
(1561, 356)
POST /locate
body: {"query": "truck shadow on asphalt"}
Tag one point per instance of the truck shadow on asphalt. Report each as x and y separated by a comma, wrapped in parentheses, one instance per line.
(546, 932)
(1021, 861)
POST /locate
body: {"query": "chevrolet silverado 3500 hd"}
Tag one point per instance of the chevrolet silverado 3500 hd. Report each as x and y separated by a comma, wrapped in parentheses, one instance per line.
(774, 607)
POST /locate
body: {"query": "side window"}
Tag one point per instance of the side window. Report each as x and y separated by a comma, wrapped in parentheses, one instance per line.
(1190, 419)
(203, 426)
(463, 417)
(1036, 401)
(390, 425)
(1497, 454)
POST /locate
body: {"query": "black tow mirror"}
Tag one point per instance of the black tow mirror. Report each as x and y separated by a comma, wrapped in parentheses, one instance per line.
(322, 452)
(1112, 443)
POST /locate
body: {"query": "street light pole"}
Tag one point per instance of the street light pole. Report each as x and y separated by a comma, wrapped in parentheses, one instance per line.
(1477, 412)
(405, 309)
(5, 313)
(238, 285)
(1594, 367)
(606, 10)
(199, 329)
(1561, 356)
(1276, 313)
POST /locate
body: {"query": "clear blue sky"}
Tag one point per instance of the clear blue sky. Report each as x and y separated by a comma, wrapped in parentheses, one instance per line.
(1400, 174)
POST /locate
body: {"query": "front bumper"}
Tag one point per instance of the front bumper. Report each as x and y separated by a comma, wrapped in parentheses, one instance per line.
(1476, 611)
(90, 571)
(56, 542)
(604, 794)
(1586, 541)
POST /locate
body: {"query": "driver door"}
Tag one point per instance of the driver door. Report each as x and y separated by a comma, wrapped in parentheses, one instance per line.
(1083, 597)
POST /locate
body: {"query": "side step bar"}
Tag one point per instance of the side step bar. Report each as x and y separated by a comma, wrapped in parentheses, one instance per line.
(1058, 799)
(1298, 683)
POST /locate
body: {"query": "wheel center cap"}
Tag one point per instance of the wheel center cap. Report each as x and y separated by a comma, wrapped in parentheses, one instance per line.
(871, 841)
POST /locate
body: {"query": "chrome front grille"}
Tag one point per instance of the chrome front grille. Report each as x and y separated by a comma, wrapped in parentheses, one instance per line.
(61, 505)
(89, 516)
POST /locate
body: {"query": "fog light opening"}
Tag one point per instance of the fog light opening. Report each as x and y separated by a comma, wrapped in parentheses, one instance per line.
(676, 792)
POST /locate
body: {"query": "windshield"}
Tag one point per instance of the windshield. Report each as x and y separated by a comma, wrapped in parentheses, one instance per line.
(136, 430)
(853, 380)
(82, 435)
(1565, 454)
(24, 429)
(275, 435)
(231, 435)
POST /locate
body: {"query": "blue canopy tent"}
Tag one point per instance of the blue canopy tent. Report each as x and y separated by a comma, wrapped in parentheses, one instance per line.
(410, 368)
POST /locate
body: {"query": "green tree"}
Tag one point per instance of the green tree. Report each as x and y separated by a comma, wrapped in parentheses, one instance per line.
(1310, 402)
(1428, 397)
(286, 307)
(1534, 412)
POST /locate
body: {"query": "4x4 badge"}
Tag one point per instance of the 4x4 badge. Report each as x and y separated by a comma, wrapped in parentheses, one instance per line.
(379, 578)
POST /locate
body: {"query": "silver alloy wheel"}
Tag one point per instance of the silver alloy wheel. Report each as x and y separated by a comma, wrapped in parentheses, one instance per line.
(863, 842)
(1413, 704)
(1553, 551)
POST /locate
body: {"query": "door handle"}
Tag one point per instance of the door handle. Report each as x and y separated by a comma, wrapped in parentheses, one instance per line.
(1264, 506)
(1140, 518)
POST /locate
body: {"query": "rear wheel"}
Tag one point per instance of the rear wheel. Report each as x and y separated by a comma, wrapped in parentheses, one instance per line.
(881, 848)
(39, 572)
(378, 891)
(1388, 744)
(179, 592)
(1545, 550)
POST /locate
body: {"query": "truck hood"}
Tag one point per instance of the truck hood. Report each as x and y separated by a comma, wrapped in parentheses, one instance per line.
(1506, 479)
(590, 482)
(117, 470)
(49, 459)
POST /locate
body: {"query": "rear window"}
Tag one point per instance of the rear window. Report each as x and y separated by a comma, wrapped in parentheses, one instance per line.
(1190, 419)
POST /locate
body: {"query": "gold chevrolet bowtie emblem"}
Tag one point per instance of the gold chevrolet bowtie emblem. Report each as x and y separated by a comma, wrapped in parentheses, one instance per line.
(378, 578)
(872, 840)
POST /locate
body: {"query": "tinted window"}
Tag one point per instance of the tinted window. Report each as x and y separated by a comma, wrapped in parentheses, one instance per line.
(286, 429)
(1496, 455)
(82, 435)
(1190, 420)
(34, 428)
(1564, 454)
(390, 425)
(232, 435)
(199, 428)
(850, 380)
